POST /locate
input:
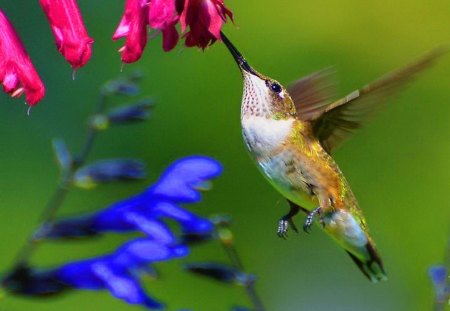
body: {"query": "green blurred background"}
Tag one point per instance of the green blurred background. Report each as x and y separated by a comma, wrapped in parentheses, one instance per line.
(398, 166)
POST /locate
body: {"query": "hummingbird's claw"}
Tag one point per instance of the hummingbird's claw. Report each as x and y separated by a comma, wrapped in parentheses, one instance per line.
(310, 218)
(282, 228)
(286, 220)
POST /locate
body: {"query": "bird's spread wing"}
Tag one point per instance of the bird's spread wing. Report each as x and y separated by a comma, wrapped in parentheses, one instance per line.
(313, 94)
(335, 122)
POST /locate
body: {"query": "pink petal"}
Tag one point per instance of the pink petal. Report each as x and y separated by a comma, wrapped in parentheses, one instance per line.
(133, 26)
(170, 38)
(186, 15)
(162, 14)
(17, 73)
(210, 17)
(122, 30)
(10, 81)
(205, 19)
(68, 28)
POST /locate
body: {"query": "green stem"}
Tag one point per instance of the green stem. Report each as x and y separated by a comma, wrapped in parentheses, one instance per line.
(56, 201)
(250, 289)
(92, 133)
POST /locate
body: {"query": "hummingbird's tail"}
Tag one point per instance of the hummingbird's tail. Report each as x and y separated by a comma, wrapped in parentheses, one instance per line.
(347, 227)
(371, 267)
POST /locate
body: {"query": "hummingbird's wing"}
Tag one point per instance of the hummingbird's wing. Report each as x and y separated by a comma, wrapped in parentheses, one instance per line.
(313, 94)
(339, 120)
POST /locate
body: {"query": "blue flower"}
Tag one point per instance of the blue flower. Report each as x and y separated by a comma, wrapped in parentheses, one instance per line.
(440, 278)
(182, 180)
(180, 183)
(119, 271)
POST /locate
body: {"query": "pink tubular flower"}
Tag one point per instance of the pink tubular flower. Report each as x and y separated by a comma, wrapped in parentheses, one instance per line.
(17, 73)
(67, 25)
(163, 16)
(133, 26)
(205, 19)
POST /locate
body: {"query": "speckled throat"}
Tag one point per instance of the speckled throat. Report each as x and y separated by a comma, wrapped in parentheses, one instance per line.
(255, 101)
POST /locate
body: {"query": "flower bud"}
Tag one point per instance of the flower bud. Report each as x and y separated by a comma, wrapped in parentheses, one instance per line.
(121, 87)
(131, 113)
(108, 171)
(220, 272)
(99, 122)
(26, 281)
(62, 153)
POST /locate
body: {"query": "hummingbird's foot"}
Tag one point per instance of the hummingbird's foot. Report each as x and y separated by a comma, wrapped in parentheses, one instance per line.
(286, 220)
(282, 230)
(310, 218)
(283, 226)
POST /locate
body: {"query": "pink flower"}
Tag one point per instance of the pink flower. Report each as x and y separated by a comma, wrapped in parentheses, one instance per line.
(133, 26)
(205, 19)
(17, 73)
(71, 37)
(139, 14)
(163, 16)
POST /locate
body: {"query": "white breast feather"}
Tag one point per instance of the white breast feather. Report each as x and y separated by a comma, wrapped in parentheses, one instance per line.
(263, 135)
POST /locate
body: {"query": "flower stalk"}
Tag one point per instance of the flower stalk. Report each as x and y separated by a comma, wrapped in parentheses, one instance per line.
(226, 239)
(64, 186)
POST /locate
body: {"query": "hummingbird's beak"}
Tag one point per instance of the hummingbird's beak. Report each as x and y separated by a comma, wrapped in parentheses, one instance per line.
(240, 60)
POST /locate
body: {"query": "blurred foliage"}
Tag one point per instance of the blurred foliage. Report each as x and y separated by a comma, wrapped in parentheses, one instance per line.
(398, 165)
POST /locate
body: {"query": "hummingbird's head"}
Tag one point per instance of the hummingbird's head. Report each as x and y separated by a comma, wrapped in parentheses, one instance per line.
(263, 96)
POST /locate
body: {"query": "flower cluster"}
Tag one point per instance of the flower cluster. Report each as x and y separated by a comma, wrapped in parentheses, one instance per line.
(204, 18)
(142, 212)
(200, 20)
(119, 272)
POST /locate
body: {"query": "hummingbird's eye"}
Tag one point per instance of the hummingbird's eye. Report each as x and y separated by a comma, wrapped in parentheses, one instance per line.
(276, 87)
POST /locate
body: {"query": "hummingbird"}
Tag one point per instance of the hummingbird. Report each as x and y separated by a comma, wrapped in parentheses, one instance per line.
(291, 134)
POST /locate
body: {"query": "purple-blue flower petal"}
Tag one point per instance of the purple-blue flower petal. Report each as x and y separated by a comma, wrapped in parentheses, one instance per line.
(190, 222)
(110, 273)
(112, 218)
(154, 229)
(140, 213)
(123, 286)
(438, 275)
(144, 251)
(80, 275)
(180, 182)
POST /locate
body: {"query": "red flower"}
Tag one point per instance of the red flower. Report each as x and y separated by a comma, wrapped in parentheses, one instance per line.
(133, 26)
(158, 14)
(71, 37)
(17, 73)
(163, 16)
(205, 19)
